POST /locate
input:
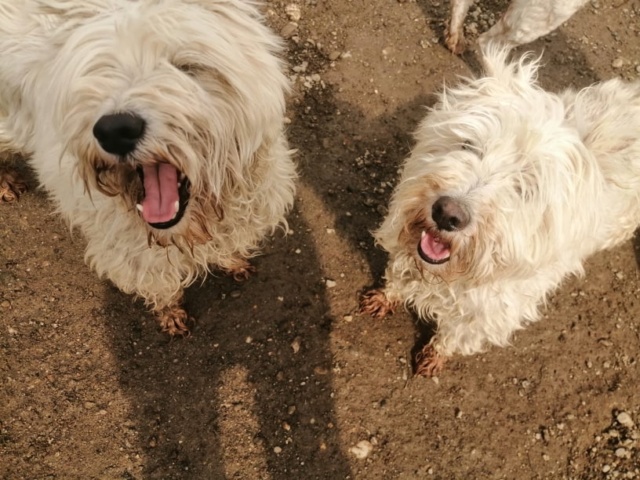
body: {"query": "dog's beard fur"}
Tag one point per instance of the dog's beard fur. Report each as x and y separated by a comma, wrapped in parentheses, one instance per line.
(123, 180)
(547, 180)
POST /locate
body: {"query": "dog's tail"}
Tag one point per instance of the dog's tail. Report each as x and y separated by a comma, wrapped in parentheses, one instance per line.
(497, 64)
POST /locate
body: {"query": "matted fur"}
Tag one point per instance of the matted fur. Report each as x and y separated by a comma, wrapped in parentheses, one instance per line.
(547, 180)
(206, 77)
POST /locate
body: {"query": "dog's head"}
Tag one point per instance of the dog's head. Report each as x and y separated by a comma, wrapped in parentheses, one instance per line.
(166, 103)
(492, 186)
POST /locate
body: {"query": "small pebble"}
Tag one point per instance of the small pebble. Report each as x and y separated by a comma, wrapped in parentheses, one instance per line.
(289, 29)
(295, 345)
(362, 449)
(277, 450)
(617, 63)
(625, 420)
(621, 452)
(293, 12)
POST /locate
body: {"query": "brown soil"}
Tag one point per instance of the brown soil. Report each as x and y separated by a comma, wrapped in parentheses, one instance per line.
(281, 379)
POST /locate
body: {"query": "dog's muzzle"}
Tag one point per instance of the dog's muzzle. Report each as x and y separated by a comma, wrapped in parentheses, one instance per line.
(449, 215)
(165, 194)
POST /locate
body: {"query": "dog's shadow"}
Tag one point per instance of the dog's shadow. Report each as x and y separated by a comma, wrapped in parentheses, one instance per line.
(251, 385)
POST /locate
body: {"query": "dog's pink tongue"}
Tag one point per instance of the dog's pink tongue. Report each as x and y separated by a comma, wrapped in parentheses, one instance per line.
(160, 193)
(434, 248)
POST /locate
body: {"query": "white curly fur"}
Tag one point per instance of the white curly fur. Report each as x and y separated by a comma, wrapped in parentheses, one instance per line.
(206, 77)
(547, 180)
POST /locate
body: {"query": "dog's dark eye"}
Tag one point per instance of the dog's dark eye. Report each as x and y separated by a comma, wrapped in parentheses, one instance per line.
(191, 69)
(467, 145)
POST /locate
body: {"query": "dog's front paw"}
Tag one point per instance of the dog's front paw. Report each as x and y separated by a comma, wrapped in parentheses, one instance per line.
(376, 303)
(173, 320)
(11, 186)
(241, 272)
(429, 362)
(455, 42)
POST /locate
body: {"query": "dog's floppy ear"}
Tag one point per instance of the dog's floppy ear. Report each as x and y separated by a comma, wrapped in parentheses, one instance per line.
(496, 63)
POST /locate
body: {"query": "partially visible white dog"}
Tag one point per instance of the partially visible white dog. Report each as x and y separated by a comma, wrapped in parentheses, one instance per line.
(157, 128)
(508, 189)
(523, 22)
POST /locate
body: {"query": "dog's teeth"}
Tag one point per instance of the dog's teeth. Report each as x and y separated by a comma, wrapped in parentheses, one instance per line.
(177, 205)
(139, 207)
(423, 234)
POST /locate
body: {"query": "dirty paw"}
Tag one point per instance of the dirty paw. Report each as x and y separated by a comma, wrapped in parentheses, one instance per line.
(241, 272)
(11, 186)
(375, 303)
(455, 42)
(173, 320)
(429, 362)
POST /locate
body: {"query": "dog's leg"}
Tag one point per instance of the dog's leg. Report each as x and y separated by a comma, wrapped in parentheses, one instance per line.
(525, 21)
(239, 268)
(480, 323)
(380, 302)
(428, 361)
(12, 184)
(454, 34)
(173, 319)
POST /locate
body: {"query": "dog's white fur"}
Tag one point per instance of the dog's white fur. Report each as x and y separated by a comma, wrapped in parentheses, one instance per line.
(523, 22)
(206, 77)
(546, 179)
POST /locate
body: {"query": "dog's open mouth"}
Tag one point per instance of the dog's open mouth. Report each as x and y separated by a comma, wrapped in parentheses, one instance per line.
(165, 196)
(433, 249)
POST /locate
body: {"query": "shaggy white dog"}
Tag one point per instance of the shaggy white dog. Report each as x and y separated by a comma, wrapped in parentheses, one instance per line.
(523, 22)
(157, 128)
(508, 189)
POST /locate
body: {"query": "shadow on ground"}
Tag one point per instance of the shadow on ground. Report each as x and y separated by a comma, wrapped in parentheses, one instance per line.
(253, 382)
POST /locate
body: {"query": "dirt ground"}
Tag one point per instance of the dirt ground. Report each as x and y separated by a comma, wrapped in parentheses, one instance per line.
(282, 379)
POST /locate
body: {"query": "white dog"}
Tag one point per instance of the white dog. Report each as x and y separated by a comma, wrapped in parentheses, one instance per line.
(523, 22)
(157, 128)
(508, 189)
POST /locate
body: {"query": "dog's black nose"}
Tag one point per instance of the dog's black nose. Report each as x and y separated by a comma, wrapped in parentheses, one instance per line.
(119, 133)
(449, 215)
